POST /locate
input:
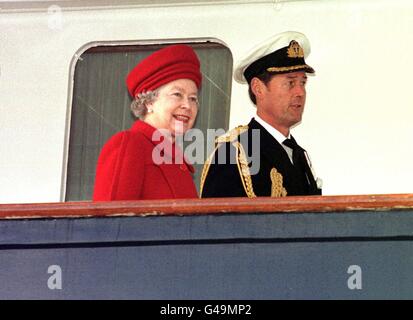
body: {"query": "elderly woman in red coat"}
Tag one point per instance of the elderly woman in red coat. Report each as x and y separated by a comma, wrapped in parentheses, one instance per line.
(144, 162)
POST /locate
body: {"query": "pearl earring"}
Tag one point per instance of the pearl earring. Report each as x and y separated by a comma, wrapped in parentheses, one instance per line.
(150, 110)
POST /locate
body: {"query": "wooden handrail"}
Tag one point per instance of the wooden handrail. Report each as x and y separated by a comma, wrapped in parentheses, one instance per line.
(208, 206)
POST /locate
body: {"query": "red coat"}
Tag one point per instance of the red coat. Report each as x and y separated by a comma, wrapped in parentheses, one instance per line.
(126, 171)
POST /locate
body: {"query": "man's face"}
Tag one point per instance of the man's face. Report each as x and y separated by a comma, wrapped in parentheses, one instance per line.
(282, 99)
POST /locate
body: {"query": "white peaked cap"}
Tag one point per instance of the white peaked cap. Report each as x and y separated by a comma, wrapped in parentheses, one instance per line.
(271, 55)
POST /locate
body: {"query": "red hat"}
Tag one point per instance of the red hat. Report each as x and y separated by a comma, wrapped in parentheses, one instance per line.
(163, 66)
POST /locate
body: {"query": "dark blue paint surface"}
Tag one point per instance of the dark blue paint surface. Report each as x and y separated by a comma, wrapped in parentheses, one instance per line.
(231, 256)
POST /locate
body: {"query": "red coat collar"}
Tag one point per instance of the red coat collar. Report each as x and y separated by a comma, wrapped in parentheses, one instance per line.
(148, 131)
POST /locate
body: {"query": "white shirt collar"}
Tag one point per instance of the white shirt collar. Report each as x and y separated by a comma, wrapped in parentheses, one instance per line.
(274, 132)
(280, 138)
(277, 136)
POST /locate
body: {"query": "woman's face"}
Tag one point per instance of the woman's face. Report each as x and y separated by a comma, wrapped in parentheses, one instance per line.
(175, 107)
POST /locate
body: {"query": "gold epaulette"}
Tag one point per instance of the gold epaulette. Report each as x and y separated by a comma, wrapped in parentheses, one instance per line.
(242, 163)
(277, 188)
(231, 135)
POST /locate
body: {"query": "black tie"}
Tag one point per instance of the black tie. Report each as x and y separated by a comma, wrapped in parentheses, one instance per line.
(300, 161)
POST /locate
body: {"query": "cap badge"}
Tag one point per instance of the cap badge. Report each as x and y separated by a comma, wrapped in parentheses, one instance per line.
(294, 50)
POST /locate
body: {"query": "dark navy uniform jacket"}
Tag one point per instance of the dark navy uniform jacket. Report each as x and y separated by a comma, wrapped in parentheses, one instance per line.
(223, 178)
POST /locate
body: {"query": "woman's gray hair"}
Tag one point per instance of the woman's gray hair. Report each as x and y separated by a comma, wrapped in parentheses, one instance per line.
(139, 105)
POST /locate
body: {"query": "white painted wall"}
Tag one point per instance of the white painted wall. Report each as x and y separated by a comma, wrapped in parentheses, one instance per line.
(356, 126)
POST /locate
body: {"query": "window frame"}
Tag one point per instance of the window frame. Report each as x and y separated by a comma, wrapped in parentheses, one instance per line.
(118, 43)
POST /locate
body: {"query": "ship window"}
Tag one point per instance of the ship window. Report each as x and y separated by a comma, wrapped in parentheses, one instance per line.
(101, 104)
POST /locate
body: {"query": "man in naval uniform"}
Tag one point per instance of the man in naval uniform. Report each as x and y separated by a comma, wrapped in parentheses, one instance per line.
(276, 74)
